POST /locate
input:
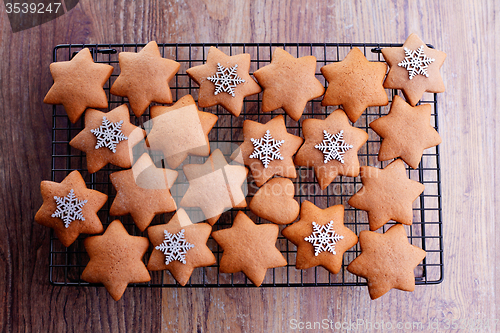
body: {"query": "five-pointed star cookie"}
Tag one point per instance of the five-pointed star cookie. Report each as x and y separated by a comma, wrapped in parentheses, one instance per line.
(289, 83)
(108, 138)
(387, 261)
(214, 186)
(249, 248)
(70, 208)
(78, 84)
(331, 147)
(143, 191)
(268, 149)
(406, 131)
(224, 80)
(387, 194)
(400, 70)
(144, 78)
(116, 259)
(355, 83)
(180, 130)
(195, 254)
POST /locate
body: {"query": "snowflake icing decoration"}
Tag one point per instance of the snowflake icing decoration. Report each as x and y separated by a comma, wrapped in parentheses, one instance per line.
(416, 62)
(174, 247)
(323, 238)
(266, 149)
(225, 79)
(109, 134)
(69, 208)
(333, 146)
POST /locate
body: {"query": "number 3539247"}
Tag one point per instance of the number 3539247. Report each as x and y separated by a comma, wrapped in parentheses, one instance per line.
(32, 8)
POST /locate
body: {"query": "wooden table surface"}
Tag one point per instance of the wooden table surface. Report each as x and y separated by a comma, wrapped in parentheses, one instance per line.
(466, 30)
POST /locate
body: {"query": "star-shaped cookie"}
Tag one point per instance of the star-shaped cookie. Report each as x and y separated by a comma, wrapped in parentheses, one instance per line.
(249, 248)
(224, 80)
(116, 259)
(144, 78)
(180, 130)
(406, 131)
(387, 261)
(143, 191)
(289, 83)
(78, 84)
(268, 149)
(108, 138)
(331, 147)
(320, 236)
(214, 186)
(414, 59)
(355, 83)
(70, 208)
(387, 194)
(184, 247)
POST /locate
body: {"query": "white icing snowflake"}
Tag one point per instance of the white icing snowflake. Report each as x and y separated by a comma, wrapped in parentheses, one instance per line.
(416, 62)
(174, 247)
(323, 238)
(225, 79)
(69, 208)
(266, 149)
(109, 134)
(333, 146)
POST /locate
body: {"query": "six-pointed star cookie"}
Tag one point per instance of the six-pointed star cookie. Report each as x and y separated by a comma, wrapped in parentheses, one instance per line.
(214, 186)
(116, 259)
(144, 78)
(78, 84)
(221, 77)
(143, 191)
(355, 83)
(406, 131)
(184, 241)
(249, 248)
(70, 208)
(180, 130)
(387, 261)
(387, 194)
(331, 147)
(108, 138)
(399, 76)
(289, 83)
(325, 247)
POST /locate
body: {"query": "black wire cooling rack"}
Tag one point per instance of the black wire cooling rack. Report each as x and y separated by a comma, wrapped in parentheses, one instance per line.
(67, 264)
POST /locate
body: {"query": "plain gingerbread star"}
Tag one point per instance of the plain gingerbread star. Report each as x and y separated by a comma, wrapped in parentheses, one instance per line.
(249, 248)
(289, 83)
(143, 191)
(406, 131)
(194, 233)
(78, 84)
(355, 83)
(144, 78)
(95, 201)
(116, 259)
(207, 94)
(399, 77)
(387, 194)
(387, 261)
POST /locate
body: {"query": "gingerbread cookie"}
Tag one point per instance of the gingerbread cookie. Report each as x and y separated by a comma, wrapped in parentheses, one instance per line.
(144, 78)
(387, 261)
(289, 83)
(249, 248)
(406, 131)
(78, 84)
(387, 194)
(70, 208)
(224, 80)
(355, 83)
